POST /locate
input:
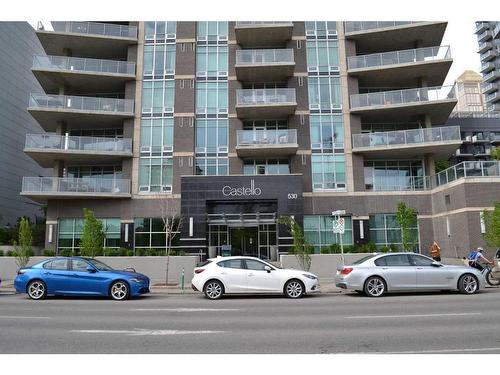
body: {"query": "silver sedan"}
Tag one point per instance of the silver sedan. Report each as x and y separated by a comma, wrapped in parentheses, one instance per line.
(377, 274)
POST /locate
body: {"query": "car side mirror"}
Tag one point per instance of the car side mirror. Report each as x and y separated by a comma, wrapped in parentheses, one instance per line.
(436, 264)
(268, 269)
(91, 269)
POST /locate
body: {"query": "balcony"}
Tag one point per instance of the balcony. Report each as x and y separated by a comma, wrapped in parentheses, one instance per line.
(481, 26)
(467, 169)
(484, 36)
(487, 67)
(87, 39)
(405, 105)
(381, 36)
(79, 111)
(489, 87)
(485, 46)
(489, 55)
(43, 188)
(259, 34)
(265, 103)
(399, 183)
(493, 97)
(463, 153)
(492, 76)
(46, 148)
(494, 107)
(401, 68)
(82, 74)
(441, 142)
(264, 65)
(266, 143)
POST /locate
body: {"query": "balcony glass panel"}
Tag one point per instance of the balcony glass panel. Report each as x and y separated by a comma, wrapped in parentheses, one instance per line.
(372, 25)
(264, 56)
(250, 138)
(71, 143)
(83, 64)
(82, 103)
(75, 185)
(263, 23)
(91, 28)
(249, 97)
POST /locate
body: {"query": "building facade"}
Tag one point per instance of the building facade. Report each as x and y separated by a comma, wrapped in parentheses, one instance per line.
(239, 123)
(488, 38)
(469, 92)
(17, 82)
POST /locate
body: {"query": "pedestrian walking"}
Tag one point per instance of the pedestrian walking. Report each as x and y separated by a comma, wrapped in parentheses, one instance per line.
(435, 251)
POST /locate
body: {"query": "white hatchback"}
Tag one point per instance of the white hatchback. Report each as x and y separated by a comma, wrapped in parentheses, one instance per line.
(237, 275)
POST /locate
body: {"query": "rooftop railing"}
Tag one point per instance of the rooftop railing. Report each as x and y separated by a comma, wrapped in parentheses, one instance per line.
(250, 97)
(467, 169)
(406, 137)
(271, 137)
(72, 143)
(397, 97)
(82, 103)
(91, 28)
(263, 23)
(264, 56)
(87, 65)
(399, 57)
(54, 185)
(355, 26)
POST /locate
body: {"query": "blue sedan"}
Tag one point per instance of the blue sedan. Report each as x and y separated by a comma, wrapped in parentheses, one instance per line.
(76, 276)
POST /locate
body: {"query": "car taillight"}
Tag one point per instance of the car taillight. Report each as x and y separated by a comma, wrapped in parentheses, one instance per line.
(346, 271)
(20, 272)
(199, 270)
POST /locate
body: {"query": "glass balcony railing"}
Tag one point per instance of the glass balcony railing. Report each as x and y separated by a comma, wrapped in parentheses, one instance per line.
(264, 56)
(398, 97)
(263, 23)
(491, 76)
(481, 26)
(406, 137)
(84, 144)
(467, 169)
(253, 97)
(485, 36)
(91, 28)
(271, 137)
(355, 26)
(55, 185)
(399, 183)
(82, 103)
(399, 57)
(77, 64)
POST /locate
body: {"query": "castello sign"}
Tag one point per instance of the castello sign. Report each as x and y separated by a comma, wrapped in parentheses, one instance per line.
(229, 191)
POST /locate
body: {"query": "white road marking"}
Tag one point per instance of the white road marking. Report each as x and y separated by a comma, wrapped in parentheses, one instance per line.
(185, 309)
(23, 317)
(409, 316)
(438, 351)
(145, 332)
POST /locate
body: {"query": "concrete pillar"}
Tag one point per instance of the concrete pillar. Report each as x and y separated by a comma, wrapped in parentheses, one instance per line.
(430, 168)
(61, 127)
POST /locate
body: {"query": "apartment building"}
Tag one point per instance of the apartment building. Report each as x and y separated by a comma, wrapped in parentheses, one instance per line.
(469, 92)
(488, 38)
(239, 123)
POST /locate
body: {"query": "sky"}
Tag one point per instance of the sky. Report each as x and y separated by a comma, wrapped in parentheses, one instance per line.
(463, 43)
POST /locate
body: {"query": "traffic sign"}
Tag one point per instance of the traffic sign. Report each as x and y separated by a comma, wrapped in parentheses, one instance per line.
(339, 226)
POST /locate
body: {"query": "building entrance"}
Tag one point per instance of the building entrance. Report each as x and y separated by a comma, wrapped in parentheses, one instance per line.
(245, 241)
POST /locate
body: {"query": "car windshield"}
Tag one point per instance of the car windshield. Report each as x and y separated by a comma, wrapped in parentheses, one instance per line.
(359, 261)
(100, 265)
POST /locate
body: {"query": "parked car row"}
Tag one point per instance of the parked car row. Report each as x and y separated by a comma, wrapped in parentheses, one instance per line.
(373, 275)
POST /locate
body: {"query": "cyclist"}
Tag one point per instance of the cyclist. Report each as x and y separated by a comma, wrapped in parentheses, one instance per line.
(475, 259)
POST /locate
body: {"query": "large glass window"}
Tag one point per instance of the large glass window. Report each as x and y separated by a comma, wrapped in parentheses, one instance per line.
(150, 233)
(394, 175)
(318, 231)
(98, 171)
(267, 166)
(211, 61)
(156, 133)
(211, 135)
(324, 93)
(212, 97)
(155, 174)
(385, 230)
(322, 55)
(327, 133)
(71, 230)
(212, 166)
(212, 30)
(321, 28)
(328, 171)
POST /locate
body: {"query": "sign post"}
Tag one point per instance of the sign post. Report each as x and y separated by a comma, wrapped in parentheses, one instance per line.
(339, 227)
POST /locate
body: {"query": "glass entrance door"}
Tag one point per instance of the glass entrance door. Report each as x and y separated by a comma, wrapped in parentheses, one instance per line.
(244, 241)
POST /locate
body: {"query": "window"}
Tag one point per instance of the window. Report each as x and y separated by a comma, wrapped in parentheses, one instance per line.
(327, 133)
(58, 264)
(156, 133)
(324, 93)
(159, 30)
(150, 233)
(211, 61)
(321, 27)
(322, 55)
(255, 265)
(211, 134)
(419, 260)
(271, 166)
(399, 260)
(155, 174)
(71, 230)
(103, 171)
(318, 231)
(328, 171)
(394, 175)
(385, 230)
(212, 166)
(211, 30)
(79, 265)
(211, 97)
(231, 263)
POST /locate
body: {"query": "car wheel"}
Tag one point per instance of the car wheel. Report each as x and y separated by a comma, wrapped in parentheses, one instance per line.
(119, 290)
(467, 284)
(213, 289)
(294, 289)
(37, 290)
(375, 286)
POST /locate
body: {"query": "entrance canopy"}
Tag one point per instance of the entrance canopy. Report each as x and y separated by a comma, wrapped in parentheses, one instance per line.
(242, 220)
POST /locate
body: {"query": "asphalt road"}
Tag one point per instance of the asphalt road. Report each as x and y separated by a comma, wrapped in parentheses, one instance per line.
(326, 323)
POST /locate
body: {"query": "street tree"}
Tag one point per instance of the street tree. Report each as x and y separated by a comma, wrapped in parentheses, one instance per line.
(495, 153)
(301, 248)
(171, 224)
(492, 226)
(406, 218)
(93, 235)
(22, 249)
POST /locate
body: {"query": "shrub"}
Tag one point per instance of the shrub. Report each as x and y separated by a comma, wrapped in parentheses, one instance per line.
(130, 253)
(110, 252)
(349, 249)
(65, 252)
(48, 253)
(141, 252)
(152, 252)
(173, 252)
(99, 253)
(368, 247)
(1, 253)
(325, 250)
(182, 253)
(10, 253)
(123, 252)
(393, 247)
(384, 249)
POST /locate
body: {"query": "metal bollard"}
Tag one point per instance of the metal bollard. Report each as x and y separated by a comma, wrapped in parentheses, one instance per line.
(182, 281)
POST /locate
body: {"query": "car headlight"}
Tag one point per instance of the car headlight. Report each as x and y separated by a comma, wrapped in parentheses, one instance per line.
(136, 280)
(312, 277)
